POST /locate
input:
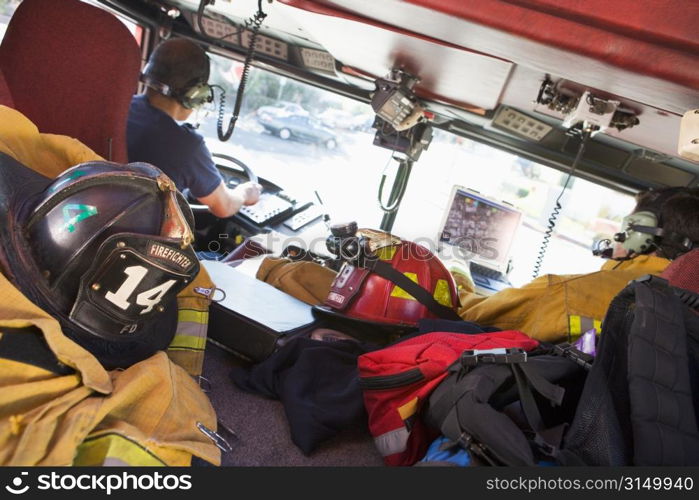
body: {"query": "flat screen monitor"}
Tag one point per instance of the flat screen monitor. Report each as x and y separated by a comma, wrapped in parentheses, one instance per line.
(478, 228)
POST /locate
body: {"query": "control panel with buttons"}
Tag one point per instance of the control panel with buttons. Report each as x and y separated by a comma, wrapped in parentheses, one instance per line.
(305, 216)
(269, 207)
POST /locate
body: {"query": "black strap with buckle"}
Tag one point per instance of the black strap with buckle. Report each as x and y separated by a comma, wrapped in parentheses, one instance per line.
(470, 358)
(571, 352)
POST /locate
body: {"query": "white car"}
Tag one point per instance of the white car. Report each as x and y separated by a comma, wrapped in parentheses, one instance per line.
(282, 109)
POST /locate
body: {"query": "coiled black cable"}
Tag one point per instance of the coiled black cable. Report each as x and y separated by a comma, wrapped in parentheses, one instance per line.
(402, 175)
(256, 25)
(586, 132)
(402, 179)
(221, 109)
(547, 236)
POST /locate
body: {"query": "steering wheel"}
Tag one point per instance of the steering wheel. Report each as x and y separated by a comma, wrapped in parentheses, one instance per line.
(252, 177)
(198, 208)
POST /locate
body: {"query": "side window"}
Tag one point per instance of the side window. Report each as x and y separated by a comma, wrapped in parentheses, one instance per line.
(7, 8)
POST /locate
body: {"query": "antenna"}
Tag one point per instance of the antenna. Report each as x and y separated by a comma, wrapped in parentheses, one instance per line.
(326, 217)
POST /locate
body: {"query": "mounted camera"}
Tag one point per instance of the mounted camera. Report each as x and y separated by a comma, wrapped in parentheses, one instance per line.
(395, 102)
(400, 121)
(585, 109)
(344, 242)
(410, 143)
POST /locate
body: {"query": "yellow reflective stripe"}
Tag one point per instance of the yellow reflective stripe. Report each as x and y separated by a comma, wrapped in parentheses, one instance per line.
(191, 330)
(386, 253)
(114, 449)
(574, 325)
(442, 294)
(581, 324)
(190, 342)
(193, 316)
(402, 294)
(187, 347)
(408, 409)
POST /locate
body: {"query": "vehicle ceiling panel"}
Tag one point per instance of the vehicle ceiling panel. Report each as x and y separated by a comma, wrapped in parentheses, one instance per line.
(650, 70)
(451, 73)
(659, 75)
(472, 54)
(652, 37)
(658, 129)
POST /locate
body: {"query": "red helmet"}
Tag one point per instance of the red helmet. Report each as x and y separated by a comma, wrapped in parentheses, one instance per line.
(373, 293)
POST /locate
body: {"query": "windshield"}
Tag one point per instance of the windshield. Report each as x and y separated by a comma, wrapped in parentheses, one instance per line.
(333, 154)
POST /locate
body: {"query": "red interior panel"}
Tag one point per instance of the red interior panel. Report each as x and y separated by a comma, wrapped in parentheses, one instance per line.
(652, 37)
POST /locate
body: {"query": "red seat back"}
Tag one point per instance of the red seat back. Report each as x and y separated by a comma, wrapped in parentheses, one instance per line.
(72, 68)
(683, 272)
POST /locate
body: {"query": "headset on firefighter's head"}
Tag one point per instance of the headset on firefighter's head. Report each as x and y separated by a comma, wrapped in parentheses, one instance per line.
(641, 234)
(661, 222)
(179, 68)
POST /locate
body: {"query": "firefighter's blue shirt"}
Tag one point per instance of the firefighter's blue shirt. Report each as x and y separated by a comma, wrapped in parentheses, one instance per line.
(154, 137)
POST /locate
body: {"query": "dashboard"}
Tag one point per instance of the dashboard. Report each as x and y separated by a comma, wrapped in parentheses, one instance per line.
(277, 220)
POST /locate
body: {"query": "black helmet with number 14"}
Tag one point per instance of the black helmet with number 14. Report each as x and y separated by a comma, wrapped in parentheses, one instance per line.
(104, 248)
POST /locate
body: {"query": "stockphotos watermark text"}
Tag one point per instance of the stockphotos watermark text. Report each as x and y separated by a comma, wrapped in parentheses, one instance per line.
(461, 248)
(99, 482)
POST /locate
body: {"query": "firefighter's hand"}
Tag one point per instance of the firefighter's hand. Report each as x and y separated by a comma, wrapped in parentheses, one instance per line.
(249, 192)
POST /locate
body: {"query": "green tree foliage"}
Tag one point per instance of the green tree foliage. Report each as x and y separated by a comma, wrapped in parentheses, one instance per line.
(264, 88)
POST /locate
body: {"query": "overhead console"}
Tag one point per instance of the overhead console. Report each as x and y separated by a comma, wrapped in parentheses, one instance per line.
(639, 63)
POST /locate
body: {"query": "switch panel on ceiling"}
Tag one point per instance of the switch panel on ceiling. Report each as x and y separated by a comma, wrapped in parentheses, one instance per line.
(217, 27)
(516, 122)
(266, 45)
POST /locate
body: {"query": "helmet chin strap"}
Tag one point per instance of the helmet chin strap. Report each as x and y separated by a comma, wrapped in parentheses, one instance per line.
(386, 271)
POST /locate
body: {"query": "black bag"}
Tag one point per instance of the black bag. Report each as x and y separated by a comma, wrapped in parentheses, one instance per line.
(509, 409)
(640, 401)
(254, 319)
